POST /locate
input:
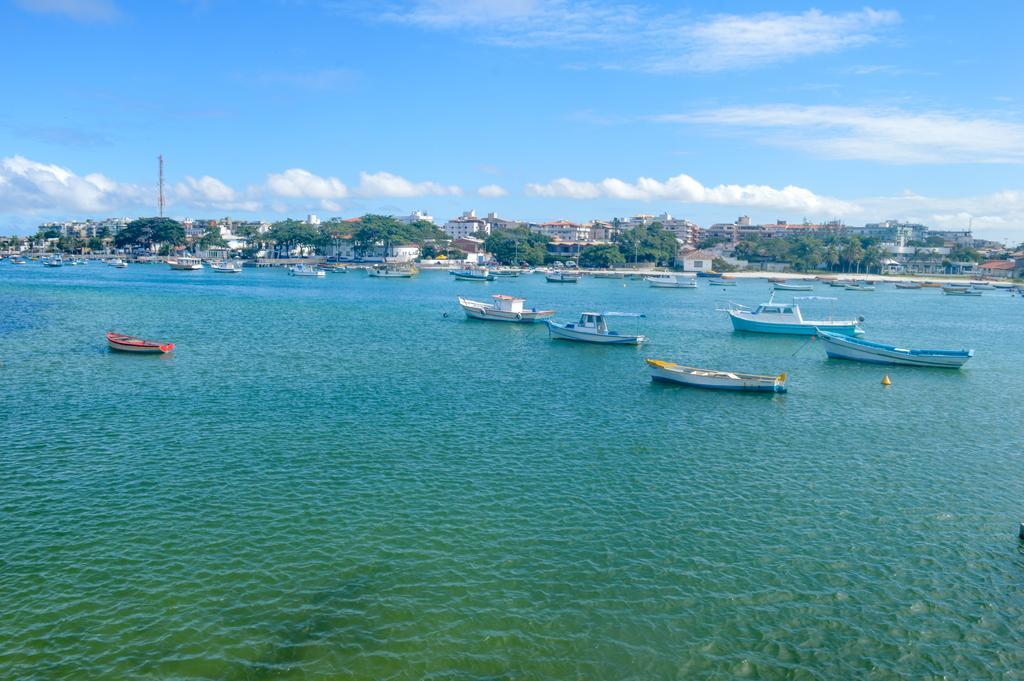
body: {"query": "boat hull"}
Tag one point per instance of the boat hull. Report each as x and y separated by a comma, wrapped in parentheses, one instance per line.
(488, 313)
(740, 323)
(715, 380)
(878, 353)
(565, 332)
(562, 280)
(123, 343)
(672, 284)
(474, 277)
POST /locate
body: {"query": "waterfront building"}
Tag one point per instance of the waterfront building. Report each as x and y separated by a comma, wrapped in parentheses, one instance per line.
(696, 261)
(565, 231)
(1002, 269)
(466, 225)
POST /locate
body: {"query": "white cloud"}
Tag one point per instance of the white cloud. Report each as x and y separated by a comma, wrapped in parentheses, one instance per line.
(210, 193)
(688, 190)
(78, 10)
(492, 191)
(296, 183)
(376, 185)
(27, 185)
(642, 37)
(887, 135)
(743, 41)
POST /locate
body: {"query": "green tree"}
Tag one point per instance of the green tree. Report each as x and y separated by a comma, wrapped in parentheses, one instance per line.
(851, 253)
(603, 255)
(806, 253)
(286, 235)
(652, 243)
(149, 231)
(513, 246)
(95, 244)
(212, 238)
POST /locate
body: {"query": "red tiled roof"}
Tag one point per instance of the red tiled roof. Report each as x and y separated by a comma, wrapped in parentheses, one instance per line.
(997, 265)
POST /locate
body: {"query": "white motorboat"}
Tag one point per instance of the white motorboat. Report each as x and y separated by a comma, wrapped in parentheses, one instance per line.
(304, 270)
(391, 272)
(118, 263)
(593, 328)
(54, 261)
(672, 281)
(226, 267)
(504, 309)
(186, 263)
(562, 277)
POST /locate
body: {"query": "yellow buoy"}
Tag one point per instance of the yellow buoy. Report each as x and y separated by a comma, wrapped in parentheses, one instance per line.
(885, 380)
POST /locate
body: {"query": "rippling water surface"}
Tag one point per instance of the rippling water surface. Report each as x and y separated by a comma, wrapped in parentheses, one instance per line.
(331, 479)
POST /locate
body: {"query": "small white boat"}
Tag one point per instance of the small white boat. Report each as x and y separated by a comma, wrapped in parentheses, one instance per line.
(859, 287)
(715, 380)
(15, 260)
(672, 281)
(186, 263)
(118, 263)
(792, 287)
(604, 274)
(562, 277)
(909, 285)
(593, 328)
(844, 347)
(721, 281)
(505, 273)
(304, 270)
(786, 318)
(983, 286)
(226, 267)
(959, 291)
(391, 272)
(504, 309)
(473, 274)
(54, 261)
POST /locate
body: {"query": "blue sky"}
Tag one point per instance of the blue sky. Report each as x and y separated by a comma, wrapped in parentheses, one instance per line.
(535, 109)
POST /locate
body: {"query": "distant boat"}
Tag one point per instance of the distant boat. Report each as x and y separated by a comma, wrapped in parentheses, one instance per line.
(593, 328)
(186, 263)
(561, 277)
(226, 267)
(672, 281)
(392, 272)
(908, 284)
(54, 261)
(859, 287)
(983, 287)
(481, 274)
(304, 270)
(843, 347)
(792, 287)
(119, 341)
(118, 263)
(785, 318)
(777, 280)
(15, 260)
(959, 291)
(603, 274)
(505, 273)
(504, 309)
(930, 284)
(715, 380)
(838, 283)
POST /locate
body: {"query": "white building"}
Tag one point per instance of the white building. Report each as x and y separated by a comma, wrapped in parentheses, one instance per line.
(696, 261)
(414, 216)
(312, 219)
(566, 231)
(467, 224)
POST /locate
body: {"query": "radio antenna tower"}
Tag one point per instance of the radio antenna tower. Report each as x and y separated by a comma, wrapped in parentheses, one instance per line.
(161, 199)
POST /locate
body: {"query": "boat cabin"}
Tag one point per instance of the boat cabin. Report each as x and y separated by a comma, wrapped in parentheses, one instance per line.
(592, 320)
(508, 303)
(782, 312)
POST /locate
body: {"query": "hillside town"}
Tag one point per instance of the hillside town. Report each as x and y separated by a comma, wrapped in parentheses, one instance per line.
(889, 247)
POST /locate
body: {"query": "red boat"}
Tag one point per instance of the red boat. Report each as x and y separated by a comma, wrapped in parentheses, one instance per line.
(119, 341)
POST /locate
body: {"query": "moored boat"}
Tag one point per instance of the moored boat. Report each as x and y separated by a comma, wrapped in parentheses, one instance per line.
(226, 267)
(715, 380)
(504, 309)
(605, 274)
(859, 287)
(473, 274)
(304, 270)
(721, 281)
(393, 272)
(672, 281)
(792, 287)
(959, 291)
(186, 263)
(908, 285)
(118, 263)
(786, 318)
(593, 328)
(983, 286)
(54, 261)
(562, 277)
(844, 347)
(125, 343)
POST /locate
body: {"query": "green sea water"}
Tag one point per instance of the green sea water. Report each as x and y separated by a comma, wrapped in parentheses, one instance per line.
(332, 479)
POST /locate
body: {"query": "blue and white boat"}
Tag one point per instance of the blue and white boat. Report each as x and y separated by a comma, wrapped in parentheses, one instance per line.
(593, 328)
(473, 275)
(772, 317)
(844, 347)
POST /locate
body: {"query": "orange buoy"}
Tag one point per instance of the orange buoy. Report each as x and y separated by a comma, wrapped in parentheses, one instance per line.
(885, 380)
